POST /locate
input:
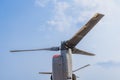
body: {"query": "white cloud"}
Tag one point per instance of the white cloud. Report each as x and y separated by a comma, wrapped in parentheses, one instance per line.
(70, 13)
(109, 64)
(41, 3)
(60, 19)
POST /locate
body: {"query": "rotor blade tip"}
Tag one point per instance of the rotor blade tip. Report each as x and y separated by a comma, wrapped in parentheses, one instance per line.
(92, 54)
(88, 65)
(11, 51)
(99, 14)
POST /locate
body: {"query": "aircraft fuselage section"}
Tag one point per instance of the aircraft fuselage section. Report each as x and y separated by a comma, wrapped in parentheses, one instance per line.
(62, 66)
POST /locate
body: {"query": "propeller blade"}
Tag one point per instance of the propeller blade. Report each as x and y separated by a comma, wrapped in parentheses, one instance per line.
(84, 30)
(49, 49)
(45, 72)
(81, 67)
(77, 51)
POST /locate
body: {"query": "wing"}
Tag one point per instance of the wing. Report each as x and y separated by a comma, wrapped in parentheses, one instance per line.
(84, 30)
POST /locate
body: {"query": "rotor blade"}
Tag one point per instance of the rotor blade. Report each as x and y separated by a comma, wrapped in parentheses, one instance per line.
(84, 30)
(81, 67)
(77, 51)
(45, 72)
(49, 49)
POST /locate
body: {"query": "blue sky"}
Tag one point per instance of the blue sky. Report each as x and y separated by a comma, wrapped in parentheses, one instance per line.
(29, 24)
